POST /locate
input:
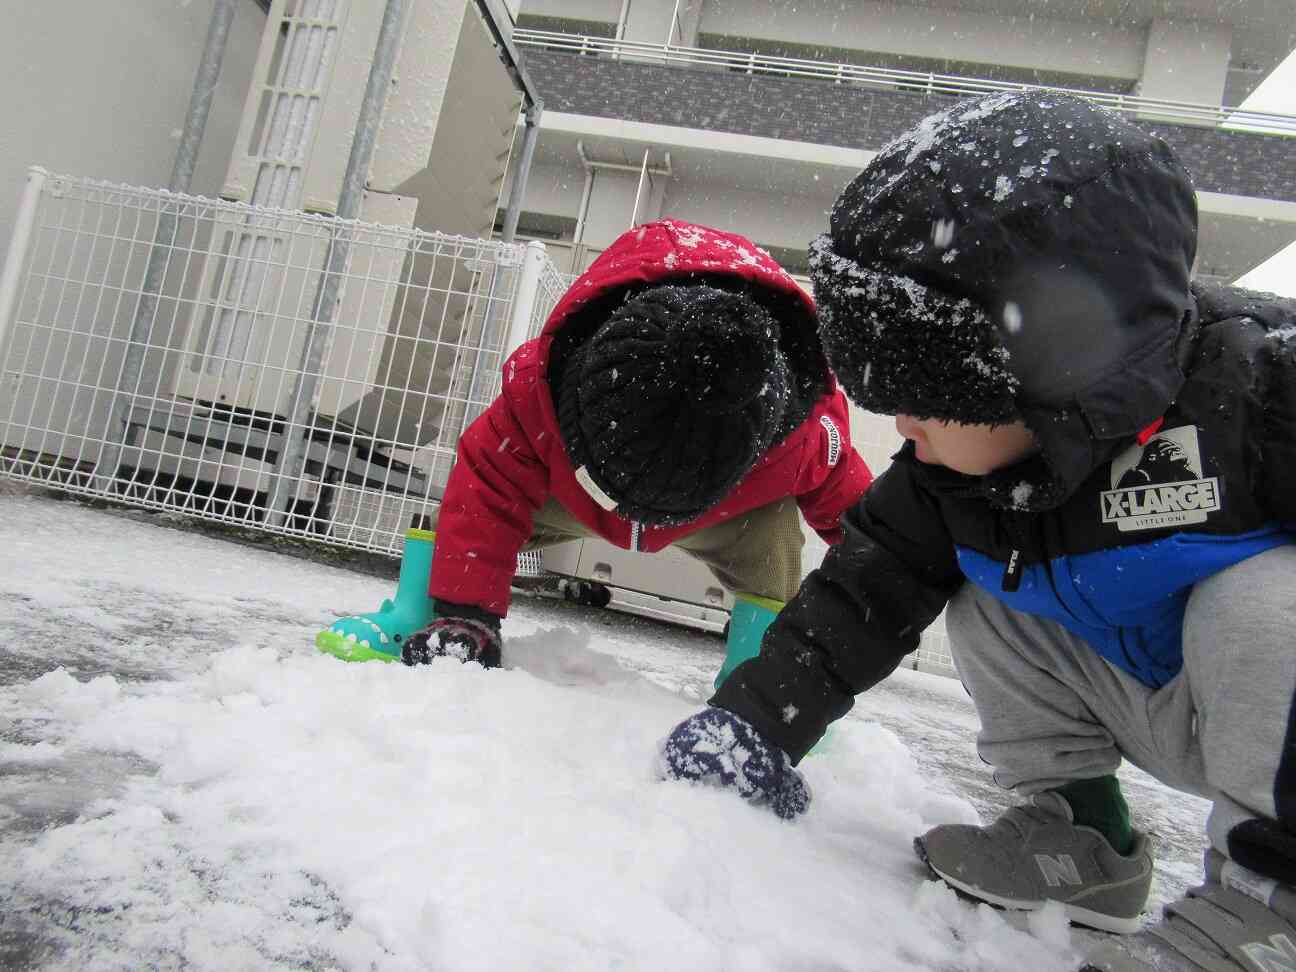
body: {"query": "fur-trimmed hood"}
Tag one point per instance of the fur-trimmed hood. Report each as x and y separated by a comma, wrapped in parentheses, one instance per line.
(1022, 255)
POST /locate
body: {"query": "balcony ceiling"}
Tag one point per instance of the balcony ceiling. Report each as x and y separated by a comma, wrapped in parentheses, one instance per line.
(722, 171)
(1229, 244)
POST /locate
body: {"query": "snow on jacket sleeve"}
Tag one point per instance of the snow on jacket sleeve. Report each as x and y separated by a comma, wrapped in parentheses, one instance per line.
(823, 503)
(1278, 438)
(487, 513)
(854, 618)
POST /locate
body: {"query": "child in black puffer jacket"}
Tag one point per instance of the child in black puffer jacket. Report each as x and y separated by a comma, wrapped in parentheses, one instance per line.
(1096, 484)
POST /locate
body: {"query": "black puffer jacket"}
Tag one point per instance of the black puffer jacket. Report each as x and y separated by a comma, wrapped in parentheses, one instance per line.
(1168, 428)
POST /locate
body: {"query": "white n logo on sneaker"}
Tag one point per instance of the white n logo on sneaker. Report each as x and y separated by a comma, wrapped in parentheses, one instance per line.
(1061, 870)
(1278, 957)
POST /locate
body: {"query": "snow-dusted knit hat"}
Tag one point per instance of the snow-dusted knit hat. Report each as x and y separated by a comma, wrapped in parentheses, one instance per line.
(1020, 255)
(672, 401)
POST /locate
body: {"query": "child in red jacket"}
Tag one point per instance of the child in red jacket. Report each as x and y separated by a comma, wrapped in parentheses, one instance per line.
(678, 395)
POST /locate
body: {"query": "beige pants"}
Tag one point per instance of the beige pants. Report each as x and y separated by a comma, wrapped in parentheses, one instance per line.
(756, 553)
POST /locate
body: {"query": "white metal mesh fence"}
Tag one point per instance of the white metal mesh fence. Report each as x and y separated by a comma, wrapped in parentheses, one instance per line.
(152, 343)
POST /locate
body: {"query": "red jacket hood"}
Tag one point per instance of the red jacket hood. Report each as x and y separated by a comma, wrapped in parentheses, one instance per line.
(671, 249)
(512, 459)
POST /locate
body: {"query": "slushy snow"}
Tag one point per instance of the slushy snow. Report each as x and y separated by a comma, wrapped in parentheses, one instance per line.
(185, 781)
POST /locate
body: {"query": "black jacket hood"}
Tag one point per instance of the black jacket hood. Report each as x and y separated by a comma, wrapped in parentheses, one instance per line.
(1024, 254)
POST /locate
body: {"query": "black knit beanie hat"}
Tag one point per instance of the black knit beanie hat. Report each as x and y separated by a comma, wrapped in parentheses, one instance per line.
(1022, 255)
(672, 401)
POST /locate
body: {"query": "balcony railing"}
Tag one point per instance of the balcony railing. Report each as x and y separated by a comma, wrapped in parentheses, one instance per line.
(919, 82)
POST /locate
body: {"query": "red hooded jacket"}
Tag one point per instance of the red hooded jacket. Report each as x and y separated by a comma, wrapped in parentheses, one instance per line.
(512, 458)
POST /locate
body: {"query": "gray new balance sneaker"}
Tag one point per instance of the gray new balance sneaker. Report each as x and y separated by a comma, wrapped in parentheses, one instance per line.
(1036, 853)
(1238, 921)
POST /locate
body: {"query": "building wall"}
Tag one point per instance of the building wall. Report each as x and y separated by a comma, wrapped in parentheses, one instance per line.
(853, 116)
(790, 108)
(1186, 62)
(1078, 47)
(608, 11)
(554, 188)
(104, 93)
(789, 221)
(1222, 55)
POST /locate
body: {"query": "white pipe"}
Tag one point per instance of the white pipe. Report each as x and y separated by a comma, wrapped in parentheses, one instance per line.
(662, 170)
(622, 19)
(578, 237)
(19, 244)
(643, 174)
(674, 25)
(519, 329)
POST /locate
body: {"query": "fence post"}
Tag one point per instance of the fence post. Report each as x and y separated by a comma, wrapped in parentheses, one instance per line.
(519, 329)
(290, 465)
(19, 244)
(164, 239)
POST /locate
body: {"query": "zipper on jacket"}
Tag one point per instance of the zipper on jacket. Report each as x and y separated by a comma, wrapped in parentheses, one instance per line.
(635, 529)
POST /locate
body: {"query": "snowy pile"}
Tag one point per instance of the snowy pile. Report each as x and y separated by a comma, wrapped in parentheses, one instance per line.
(184, 781)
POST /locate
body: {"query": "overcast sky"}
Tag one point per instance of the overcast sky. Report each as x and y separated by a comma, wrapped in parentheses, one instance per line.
(1276, 93)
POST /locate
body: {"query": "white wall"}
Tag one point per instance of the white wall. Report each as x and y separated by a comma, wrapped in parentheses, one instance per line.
(1276, 275)
(1186, 62)
(791, 221)
(771, 219)
(553, 188)
(1086, 48)
(649, 21)
(612, 205)
(605, 10)
(103, 91)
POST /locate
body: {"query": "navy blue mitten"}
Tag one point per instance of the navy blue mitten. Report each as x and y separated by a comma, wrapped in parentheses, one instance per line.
(722, 749)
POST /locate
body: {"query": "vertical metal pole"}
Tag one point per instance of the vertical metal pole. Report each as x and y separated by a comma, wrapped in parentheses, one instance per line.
(19, 244)
(508, 232)
(623, 19)
(182, 169)
(530, 135)
(291, 461)
(533, 261)
(191, 136)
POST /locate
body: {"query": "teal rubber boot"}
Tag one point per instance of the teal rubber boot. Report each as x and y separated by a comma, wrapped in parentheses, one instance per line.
(751, 615)
(379, 636)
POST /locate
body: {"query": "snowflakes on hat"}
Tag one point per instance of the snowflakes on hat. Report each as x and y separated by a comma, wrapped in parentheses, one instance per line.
(959, 194)
(900, 347)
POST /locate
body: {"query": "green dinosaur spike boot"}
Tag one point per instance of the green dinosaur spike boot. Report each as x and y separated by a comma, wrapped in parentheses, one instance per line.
(751, 615)
(378, 636)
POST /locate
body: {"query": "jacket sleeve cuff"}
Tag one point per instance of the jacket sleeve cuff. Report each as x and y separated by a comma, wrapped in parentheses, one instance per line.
(467, 581)
(796, 737)
(449, 609)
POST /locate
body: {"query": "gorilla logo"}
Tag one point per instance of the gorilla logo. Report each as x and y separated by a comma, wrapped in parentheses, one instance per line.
(1161, 484)
(1163, 461)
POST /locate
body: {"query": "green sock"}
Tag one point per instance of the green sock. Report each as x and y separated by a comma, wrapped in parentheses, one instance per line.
(1098, 803)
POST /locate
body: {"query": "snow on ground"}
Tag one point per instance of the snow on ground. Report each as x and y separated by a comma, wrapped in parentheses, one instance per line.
(185, 782)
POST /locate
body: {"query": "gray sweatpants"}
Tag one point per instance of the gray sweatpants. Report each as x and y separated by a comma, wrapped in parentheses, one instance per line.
(1052, 710)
